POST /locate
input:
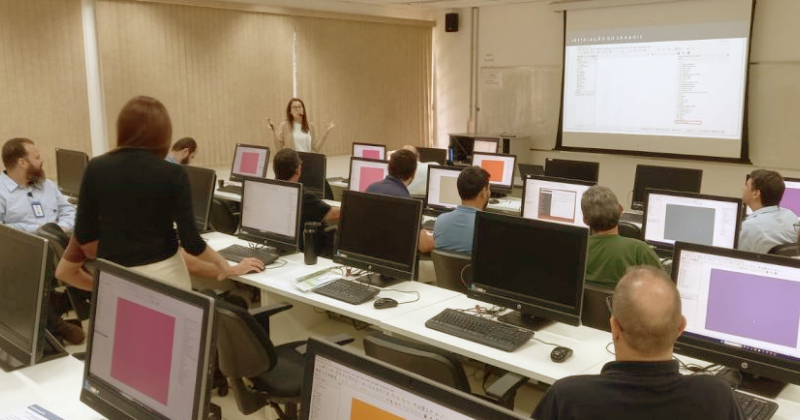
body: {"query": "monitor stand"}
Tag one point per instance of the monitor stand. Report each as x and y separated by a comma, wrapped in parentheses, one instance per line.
(378, 280)
(51, 349)
(765, 387)
(496, 194)
(522, 320)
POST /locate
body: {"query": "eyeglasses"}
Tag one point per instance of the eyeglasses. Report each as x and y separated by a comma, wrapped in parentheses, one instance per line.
(796, 226)
(609, 304)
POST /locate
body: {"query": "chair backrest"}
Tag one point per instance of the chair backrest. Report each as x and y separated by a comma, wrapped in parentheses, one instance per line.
(595, 311)
(448, 267)
(56, 238)
(630, 230)
(786, 250)
(223, 218)
(431, 362)
(244, 348)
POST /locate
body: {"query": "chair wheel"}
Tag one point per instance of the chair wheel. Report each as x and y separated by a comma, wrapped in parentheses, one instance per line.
(222, 390)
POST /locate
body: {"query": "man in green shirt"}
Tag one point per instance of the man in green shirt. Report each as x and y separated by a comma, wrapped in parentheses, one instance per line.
(610, 254)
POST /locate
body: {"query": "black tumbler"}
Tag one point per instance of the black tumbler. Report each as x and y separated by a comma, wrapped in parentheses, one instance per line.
(310, 246)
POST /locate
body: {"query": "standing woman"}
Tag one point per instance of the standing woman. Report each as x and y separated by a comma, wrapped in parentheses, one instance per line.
(130, 201)
(296, 132)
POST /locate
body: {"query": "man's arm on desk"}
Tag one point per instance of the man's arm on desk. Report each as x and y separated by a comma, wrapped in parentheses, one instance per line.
(200, 268)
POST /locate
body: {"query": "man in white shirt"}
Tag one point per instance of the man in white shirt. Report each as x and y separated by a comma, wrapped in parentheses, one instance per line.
(769, 225)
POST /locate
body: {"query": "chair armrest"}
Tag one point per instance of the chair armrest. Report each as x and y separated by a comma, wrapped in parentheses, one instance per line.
(340, 339)
(505, 387)
(263, 313)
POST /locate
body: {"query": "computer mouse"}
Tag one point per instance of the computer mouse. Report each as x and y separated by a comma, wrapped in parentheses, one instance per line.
(385, 303)
(560, 354)
(494, 201)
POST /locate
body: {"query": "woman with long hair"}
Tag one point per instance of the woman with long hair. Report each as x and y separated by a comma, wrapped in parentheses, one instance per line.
(295, 132)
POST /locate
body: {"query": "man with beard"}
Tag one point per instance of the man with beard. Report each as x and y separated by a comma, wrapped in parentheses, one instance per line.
(28, 199)
(454, 231)
(183, 151)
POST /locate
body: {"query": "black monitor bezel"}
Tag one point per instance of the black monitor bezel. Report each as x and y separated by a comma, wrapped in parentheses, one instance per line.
(498, 188)
(353, 159)
(760, 364)
(549, 179)
(202, 220)
(666, 245)
(440, 155)
(526, 304)
(387, 268)
(530, 169)
(103, 397)
(282, 242)
(235, 177)
(428, 185)
(59, 168)
(449, 397)
(665, 173)
(385, 150)
(548, 168)
(315, 158)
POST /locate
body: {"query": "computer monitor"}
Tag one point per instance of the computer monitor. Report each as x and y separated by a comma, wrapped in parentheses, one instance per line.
(486, 145)
(527, 170)
(365, 172)
(664, 178)
(312, 175)
(342, 385)
(529, 265)
(500, 168)
(26, 272)
(271, 213)
(572, 169)
(202, 182)
(369, 151)
(379, 233)
(150, 348)
(742, 310)
(249, 161)
(70, 166)
(553, 199)
(429, 154)
(791, 195)
(671, 216)
(442, 191)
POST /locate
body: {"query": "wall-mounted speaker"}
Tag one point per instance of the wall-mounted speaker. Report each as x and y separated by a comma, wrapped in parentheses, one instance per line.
(451, 22)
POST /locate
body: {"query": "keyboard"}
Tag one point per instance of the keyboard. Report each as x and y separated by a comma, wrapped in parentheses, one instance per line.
(428, 224)
(237, 253)
(495, 334)
(755, 408)
(232, 189)
(351, 292)
(345, 180)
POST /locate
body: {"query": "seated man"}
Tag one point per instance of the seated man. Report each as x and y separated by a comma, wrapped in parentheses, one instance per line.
(454, 231)
(402, 166)
(288, 167)
(608, 253)
(183, 151)
(769, 225)
(420, 183)
(644, 382)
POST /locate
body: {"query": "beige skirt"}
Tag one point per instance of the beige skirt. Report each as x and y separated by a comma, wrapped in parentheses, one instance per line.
(171, 271)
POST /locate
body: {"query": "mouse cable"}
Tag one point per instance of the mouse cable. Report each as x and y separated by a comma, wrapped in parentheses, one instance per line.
(271, 266)
(464, 282)
(405, 291)
(545, 342)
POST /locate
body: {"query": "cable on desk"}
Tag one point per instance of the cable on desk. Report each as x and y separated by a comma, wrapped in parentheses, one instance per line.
(464, 282)
(406, 291)
(272, 266)
(545, 342)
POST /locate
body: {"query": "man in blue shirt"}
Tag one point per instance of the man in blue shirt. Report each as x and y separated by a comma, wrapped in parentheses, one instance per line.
(402, 166)
(28, 199)
(454, 231)
(183, 151)
(769, 225)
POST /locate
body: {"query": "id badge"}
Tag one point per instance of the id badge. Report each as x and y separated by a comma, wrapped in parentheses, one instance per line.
(38, 210)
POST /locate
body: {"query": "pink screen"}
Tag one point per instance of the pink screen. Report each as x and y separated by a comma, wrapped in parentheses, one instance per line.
(249, 163)
(142, 356)
(371, 154)
(368, 177)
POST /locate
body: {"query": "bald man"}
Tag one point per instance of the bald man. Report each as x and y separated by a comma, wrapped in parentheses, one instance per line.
(644, 381)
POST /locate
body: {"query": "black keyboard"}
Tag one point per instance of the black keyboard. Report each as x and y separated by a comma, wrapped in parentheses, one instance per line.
(232, 189)
(237, 253)
(351, 292)
(755, 408)
(495, 334)
(429, 224)
(345, 180)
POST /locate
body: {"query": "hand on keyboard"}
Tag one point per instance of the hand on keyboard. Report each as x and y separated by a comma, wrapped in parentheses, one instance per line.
(246, 266)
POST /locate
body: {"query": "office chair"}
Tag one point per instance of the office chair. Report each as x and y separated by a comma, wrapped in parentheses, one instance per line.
(786, 250)
(439, 365)
(225, 216)
(79, 300)
(274, 374)
(595, 311)
(629, 230)
(449, 266)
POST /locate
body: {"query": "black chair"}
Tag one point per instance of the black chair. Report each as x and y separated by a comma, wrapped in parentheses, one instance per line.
(225, 216)
(438, 365)
(246, 354)
(630, 230)
(449, 267)
(786, 250)
(79, 300)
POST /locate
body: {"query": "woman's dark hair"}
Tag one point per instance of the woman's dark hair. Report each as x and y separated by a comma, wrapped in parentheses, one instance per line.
(144, 123)
(289, 117)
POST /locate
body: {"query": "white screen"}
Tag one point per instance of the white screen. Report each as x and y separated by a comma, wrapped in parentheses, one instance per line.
(369, 152)
(485, 146)
(672, 218)
(677, 88)
(364, 173)
(500, 167)
(554, 201)
(443, 188)
(250, 161)
(342, 393)
(270, 208)
(148, 321)
(743, 303)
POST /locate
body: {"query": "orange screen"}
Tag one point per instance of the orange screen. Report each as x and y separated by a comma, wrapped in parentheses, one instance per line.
(362, 411)
(495, 169)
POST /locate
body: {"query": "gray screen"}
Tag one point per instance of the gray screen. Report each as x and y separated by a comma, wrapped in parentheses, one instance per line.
(689, 224)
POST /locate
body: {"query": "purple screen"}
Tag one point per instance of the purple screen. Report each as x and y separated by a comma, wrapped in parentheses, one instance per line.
(791, 200)
(756, 307)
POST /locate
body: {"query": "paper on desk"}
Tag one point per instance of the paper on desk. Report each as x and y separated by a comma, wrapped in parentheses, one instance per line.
(317, 281)
(31, 412)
